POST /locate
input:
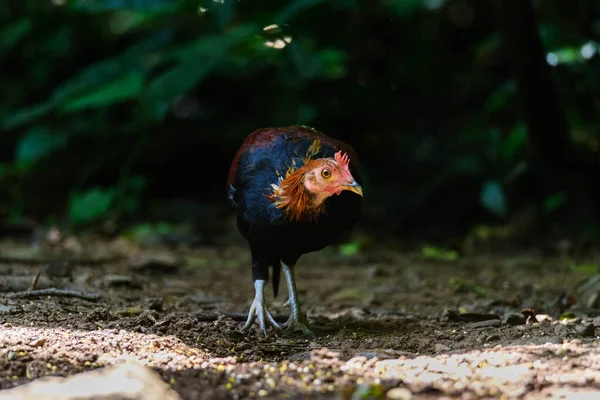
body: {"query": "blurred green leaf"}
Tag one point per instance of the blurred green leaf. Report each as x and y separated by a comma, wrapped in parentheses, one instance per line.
(294, 8)
(224, 11)
(37, 143)
(142, 232)
(121, 89)
(10, 35)
(554, 202)
(23, 116)
(350, 249)
(90, 78)
(499, 97)
(404, 8)
(368, 391)
(333, 63)
(492, 198)
(196, 60)
(436, 253)
(587, 269)
(91, 205)
(96, 6)
(461, 286)
(515, 142)
(568, 55)
(4, 169)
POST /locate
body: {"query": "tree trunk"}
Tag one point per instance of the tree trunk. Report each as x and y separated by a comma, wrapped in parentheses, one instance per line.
(541, 111)
(556, 166)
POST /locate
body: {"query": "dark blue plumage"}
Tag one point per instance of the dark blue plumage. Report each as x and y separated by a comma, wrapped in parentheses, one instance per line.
(264, 158)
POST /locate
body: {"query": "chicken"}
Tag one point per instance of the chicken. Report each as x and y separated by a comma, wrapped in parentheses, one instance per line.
(294, 191)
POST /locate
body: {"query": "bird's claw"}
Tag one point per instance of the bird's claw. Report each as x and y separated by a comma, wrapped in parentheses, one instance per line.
(297, 323)
(259, 310)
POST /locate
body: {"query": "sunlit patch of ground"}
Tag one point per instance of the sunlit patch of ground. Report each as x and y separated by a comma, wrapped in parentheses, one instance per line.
(525, 371)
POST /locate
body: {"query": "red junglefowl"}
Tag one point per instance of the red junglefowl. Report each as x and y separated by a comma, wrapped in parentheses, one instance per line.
(295, 191)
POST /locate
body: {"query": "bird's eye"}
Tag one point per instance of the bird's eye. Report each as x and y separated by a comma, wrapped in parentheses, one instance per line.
(325, 173)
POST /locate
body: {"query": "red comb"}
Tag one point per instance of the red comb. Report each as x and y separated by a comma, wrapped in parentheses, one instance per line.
(341, 159)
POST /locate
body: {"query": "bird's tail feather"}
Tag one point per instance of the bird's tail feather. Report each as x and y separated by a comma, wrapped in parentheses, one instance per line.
(276, 277)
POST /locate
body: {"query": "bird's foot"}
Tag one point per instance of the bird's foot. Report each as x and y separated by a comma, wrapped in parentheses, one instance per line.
(259, 310)
(298, 323)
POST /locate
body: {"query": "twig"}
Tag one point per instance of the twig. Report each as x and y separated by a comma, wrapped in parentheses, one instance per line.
(35, 280)
(42, 260)
(53, 292)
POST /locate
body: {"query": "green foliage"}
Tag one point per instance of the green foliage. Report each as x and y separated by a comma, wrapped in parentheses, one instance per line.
(584, 269)
(123, 88)
(421, 88)
(13, 33)
(461, 286)
(350, 249)
(91, 205)
(98, 6)
(554, 201)
(436, 253)
(492, 198)
(97, 203)
(38, 142)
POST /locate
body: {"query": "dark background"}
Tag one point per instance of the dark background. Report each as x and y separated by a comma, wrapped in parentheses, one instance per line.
(470, 117)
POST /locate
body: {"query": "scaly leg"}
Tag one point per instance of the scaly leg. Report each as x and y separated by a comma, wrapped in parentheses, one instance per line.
(259, 309)
(297, 320)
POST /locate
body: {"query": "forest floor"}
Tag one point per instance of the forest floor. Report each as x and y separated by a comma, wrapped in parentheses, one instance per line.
(399, 324)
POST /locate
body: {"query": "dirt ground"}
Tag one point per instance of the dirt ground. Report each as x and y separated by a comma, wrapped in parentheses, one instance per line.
(398, 323)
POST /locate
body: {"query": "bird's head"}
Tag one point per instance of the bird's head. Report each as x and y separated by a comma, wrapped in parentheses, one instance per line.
(330, 176)
(305, 190)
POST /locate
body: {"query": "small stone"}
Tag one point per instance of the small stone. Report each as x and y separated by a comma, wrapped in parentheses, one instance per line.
(72, 244)
(492, 338)
(441, 347)
(492, 323)
(37, 342)
(124, 381)
(4, 309)
(543, 318)
(54, 235)
(120, 280)
(586, 330)
(398, 394)
(449, 315)
(561, 330)
(369, 355)
(373, 272)
(513, 319)
(154, 262)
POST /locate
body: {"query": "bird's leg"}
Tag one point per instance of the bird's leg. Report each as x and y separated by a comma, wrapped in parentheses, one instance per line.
(297, 320)
(259, 309)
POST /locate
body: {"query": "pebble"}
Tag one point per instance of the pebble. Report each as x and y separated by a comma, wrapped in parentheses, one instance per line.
(441, 347)
(513, 319)
(398, 394)
(492, 323)
(586, 330)
(543, 318)
(118, 280)
(37, 342)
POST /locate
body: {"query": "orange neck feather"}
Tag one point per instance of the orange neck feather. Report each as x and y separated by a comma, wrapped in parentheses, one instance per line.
(292, 196)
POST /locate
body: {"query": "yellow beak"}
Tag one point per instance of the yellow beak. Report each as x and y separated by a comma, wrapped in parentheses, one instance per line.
(354, 187)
